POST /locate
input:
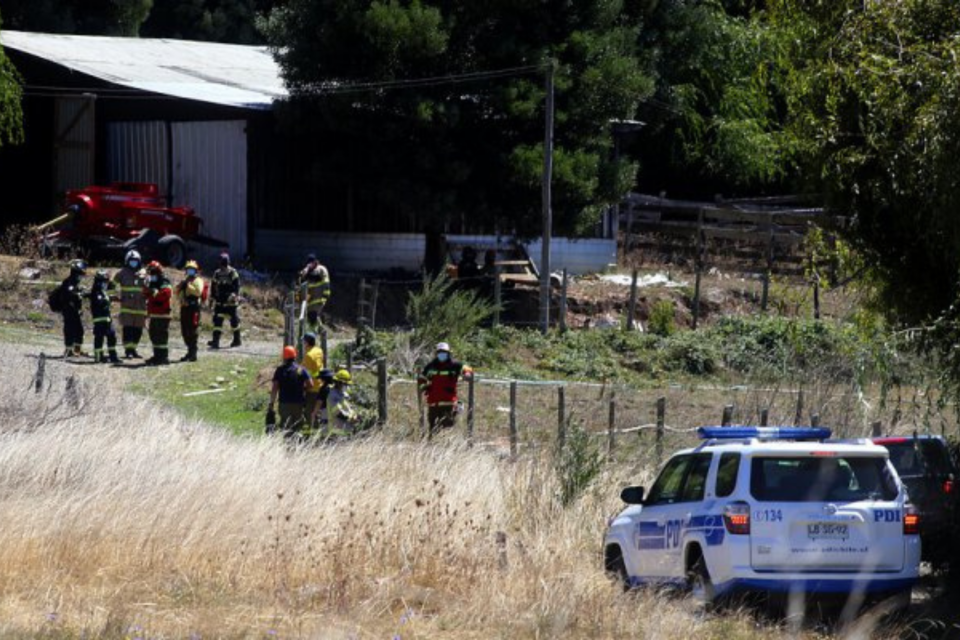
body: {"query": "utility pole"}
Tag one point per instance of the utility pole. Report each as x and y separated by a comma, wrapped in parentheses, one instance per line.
(547, 207)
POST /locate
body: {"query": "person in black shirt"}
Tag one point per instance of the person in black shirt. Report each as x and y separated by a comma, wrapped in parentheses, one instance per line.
(102, 322)
(291, 382)
(71, 299)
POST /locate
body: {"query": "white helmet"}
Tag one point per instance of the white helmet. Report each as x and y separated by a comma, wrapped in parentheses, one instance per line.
(133, 254)
(443, 346)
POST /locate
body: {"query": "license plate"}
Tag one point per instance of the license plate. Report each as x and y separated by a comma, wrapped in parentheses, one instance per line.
(828, 531)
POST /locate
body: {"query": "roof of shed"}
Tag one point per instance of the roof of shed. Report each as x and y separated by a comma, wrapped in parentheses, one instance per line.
(227, 74)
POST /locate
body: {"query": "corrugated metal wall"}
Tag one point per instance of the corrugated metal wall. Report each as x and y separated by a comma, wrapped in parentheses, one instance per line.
(209, 169)
(378, 252)
(210, 175)
(73, 142)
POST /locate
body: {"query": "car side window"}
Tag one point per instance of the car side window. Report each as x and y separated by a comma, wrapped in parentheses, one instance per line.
(727, 472)
(666, 489)
(696, 482)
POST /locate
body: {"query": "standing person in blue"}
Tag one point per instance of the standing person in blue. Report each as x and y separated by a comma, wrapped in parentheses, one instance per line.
(102, 321)
(71, 304)
(225, 300)
(291, 383)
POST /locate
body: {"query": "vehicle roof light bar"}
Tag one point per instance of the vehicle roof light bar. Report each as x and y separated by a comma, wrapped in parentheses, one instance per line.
(763, 433)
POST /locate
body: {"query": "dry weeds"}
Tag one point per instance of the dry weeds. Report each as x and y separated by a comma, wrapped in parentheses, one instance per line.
(121, 519)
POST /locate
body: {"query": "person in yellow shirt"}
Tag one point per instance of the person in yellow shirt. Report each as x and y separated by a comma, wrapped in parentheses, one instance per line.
(313, 362)
(191, 292)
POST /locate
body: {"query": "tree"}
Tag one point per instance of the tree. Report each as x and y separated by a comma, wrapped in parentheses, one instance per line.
(11, 94)
(210, 20)
(92, 17)
(471, 148)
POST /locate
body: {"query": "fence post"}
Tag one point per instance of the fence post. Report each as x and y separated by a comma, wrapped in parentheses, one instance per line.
(611, 428)
(72, 392)
(876, 429)
(561, 417)
(471, 403)
(815, 276)
(661, 419)
(727, 416)
(563, 302)
(698, 263)
(799, 416)
(349, 359)
(513, 419)
(632, 307)
(382, 388)
(769, 270)
(323, 346)
(814, 419)
(764, 416)
(41, 371)
(497, 295)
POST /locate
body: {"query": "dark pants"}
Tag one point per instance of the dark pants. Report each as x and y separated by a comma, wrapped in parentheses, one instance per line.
(290, 418)
(104, 331)
(72, 329)
(190, 327)
(131, 338)
(160, 337)
(441, 417)
(219, 312)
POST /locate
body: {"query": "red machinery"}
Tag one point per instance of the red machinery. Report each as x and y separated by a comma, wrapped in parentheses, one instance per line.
(124, 216)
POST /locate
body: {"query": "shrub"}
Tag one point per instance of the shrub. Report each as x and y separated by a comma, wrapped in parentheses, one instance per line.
(661, 321)
(577, 463)
(441, 312)
(691, 352)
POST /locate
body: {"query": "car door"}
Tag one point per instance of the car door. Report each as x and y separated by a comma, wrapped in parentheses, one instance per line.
(679, 514)
(650, 532)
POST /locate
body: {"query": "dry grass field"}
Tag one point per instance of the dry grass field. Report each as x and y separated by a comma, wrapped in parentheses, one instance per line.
(122, 519)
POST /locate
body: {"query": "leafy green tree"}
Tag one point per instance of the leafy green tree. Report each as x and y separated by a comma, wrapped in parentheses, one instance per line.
(93, 17)
(11, 114)
(209, 20)
(471, 148)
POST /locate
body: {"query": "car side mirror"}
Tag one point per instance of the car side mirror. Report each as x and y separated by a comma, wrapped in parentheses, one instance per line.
(632, 495)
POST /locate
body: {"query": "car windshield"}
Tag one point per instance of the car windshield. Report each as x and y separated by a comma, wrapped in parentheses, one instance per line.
(920, 457)
(821, 479)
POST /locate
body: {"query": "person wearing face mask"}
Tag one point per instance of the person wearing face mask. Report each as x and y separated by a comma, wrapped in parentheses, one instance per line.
(158, 293)
(191, 292)
(102, 324)
(133, 305)
(438, 383)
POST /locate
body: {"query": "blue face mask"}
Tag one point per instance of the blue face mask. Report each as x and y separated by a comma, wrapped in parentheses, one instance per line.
(191, 272)
(443, 356)
(134, 264)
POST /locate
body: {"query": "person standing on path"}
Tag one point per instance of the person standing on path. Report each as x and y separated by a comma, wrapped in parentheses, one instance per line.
(314, 284)
(158, 293)
(71, 295)
(313, 363)
(291, 383)
(130, 279)
(192, 292)
(102, 322)
(225, 300)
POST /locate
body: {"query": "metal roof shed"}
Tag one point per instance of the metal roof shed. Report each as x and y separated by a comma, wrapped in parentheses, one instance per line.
(171, 112)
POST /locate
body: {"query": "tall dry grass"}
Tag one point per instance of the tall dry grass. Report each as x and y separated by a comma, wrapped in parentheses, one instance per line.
(122, 519)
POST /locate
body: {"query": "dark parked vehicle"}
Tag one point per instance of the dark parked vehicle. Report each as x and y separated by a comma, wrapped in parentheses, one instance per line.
(926, 467)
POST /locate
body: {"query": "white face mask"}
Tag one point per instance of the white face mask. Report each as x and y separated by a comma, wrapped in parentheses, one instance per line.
(443, 356)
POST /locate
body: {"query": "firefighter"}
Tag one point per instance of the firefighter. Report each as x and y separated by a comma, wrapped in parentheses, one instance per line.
(438, 383)
(320, 412)
(102, 322)
(312, 362)
(71, 304)
(314, 283)
(192, 293)
(291, 383)
(133, 305)
(158, 293)
(340, 413)
(225, 300)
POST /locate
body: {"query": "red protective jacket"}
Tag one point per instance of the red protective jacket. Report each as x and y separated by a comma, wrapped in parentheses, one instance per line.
(158, 299)
(439, 381)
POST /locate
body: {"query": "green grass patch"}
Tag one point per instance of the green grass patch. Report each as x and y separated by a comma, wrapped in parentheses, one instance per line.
(233, 400)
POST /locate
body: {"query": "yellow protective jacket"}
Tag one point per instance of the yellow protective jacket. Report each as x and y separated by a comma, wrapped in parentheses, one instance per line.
(133, 304)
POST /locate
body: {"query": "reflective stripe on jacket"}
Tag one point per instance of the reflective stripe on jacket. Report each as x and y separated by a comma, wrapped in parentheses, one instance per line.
(439, 381)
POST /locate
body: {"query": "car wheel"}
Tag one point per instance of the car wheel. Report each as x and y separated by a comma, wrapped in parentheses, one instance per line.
(617, 571)
(703, 595)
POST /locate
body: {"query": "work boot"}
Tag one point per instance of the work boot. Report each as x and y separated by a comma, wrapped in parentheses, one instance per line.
(236, 340)
(113, 358)
(215, 343)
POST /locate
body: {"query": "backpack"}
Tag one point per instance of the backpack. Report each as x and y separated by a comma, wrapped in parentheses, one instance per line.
(55, 299)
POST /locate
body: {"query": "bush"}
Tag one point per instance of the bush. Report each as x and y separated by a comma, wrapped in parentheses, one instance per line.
(691, 352)
(441, 312)
(577, 463)
(661, 321)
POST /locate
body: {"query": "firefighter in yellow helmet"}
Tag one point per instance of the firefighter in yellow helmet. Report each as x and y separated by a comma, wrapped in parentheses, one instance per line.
(340, 413)
(192, 293)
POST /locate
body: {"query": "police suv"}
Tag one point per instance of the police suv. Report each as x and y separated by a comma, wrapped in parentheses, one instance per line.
(770, 510)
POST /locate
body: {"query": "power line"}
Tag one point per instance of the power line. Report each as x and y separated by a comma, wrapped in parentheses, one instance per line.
(410, 83)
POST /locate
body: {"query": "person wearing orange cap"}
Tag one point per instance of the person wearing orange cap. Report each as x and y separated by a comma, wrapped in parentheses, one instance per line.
(291, 383)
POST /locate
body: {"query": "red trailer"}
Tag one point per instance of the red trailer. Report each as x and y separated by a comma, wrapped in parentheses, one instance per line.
(124, 216)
